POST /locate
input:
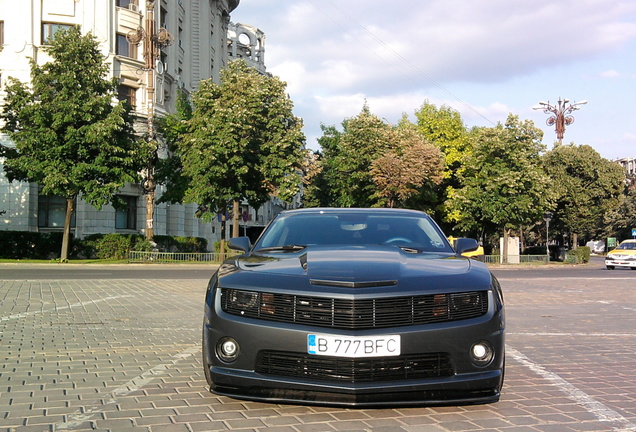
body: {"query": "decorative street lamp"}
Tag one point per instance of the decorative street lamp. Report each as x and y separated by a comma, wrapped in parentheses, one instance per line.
(153, 41)
(559, 114)
(547, 217)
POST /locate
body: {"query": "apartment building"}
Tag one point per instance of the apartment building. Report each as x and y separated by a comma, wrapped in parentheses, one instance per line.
(194, 41)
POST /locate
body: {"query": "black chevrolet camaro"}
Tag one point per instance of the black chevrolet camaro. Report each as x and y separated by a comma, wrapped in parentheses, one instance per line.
(354, 307)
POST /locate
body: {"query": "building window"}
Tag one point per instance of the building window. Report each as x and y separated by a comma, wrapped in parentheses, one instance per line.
(126, 3)
(52, 211)
(49, 29)
(128, 94)
(125, 48)
(126, 213)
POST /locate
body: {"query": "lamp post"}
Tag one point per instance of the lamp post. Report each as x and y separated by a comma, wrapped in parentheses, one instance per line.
(559, 114)
(547, 217)
(153, 41)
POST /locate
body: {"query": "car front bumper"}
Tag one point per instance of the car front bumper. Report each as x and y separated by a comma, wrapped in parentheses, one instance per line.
(467, 384)
(620, 262)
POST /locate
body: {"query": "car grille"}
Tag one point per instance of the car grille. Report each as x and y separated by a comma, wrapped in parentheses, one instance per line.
(359, 314)
(354, 370)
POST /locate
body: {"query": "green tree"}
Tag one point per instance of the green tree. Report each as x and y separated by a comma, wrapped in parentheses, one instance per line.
(347, 158)
(587, 188)
(242, 141)
(169, 170)
(401, 171)
(69, 136)
(620, 221)
(503, 183)
(445, 128)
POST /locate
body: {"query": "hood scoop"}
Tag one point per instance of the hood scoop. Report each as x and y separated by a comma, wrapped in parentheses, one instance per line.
(347, 284)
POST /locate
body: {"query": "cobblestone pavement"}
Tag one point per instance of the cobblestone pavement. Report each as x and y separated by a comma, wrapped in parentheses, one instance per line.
(124, 355)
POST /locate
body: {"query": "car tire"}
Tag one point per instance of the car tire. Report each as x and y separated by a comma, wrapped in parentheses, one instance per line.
(610, 267)
(633, 268)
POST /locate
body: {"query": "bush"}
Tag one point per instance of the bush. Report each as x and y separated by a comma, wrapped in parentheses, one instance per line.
(30, 245)
(217, 247)
(113, 246)
(534, 250)
(181, 244)
(579, 255)
(34, 245)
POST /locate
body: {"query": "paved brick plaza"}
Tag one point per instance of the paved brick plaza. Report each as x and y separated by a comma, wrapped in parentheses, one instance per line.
(124, 355)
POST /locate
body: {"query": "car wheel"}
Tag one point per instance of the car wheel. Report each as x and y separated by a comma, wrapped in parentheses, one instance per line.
(610, 267)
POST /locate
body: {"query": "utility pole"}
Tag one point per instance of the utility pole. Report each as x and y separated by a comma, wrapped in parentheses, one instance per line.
(153, 41)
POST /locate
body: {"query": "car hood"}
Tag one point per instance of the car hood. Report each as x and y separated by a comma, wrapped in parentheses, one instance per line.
(622, 252)
(358, 267)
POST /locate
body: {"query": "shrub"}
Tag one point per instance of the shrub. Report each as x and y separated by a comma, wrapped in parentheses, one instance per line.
(30, 245)
(579, 255)
(113, 246)
(34, 245)
(181, 244)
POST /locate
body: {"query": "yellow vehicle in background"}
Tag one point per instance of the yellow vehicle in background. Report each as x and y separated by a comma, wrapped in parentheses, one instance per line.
(477, 253)
(623, 256)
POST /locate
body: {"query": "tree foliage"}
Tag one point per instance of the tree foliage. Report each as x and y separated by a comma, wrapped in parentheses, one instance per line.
(169, 170)
(242, 141)
(444, 127)
(400, 172)
(372, 163)
(587, 187)
(69, 136)
(347, 157)
(503, 183)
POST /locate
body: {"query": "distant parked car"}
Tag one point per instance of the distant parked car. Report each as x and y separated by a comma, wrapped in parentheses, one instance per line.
(354, 307)
(623, 256)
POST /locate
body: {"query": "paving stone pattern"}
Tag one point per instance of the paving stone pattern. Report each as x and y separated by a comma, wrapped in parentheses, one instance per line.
(124, 355)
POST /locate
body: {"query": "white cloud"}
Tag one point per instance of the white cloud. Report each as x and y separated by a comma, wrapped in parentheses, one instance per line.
(610, 74)
(335, 54)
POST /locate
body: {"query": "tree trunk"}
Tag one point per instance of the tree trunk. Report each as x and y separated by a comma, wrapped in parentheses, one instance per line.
(505, 246)
(150, 214)
(575, 241)
(66, 238)
(222, 242)
(235, 218)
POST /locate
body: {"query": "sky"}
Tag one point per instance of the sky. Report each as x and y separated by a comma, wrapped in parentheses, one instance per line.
(484, 58)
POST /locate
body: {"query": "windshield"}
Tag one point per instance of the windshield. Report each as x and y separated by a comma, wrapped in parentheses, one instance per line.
(627, 246)
(354, 228)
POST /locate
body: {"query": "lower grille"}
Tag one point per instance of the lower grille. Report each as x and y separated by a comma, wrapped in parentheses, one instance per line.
(354, 370)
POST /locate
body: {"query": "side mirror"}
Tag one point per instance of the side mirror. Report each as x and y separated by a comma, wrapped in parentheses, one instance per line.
(240, 244)
(465, 245)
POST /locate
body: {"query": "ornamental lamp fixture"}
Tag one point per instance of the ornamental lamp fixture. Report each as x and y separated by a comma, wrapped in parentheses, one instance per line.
(560, 114)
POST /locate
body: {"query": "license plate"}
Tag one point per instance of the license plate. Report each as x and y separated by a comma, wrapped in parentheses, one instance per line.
(353, 346)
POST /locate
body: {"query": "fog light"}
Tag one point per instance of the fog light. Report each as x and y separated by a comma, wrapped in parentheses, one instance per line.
(482, 353)
(227, 349)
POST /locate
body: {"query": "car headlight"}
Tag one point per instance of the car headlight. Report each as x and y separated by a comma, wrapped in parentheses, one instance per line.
(482, 353)
(239, 299)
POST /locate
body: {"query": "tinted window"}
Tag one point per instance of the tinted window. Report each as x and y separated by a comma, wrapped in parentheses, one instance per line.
(354, 229)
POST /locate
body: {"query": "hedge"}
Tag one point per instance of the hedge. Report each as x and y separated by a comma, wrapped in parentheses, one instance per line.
(34, 245)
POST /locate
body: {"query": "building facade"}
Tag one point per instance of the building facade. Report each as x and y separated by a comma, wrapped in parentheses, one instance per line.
(198, 40)
(629, 165)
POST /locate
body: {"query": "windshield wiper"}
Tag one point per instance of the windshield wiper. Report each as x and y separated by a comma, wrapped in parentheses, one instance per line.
(284, 248)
